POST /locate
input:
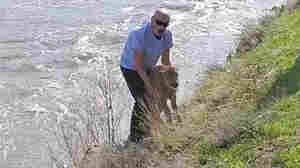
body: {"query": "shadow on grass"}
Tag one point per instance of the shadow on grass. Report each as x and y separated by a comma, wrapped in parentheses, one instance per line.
(288, 82)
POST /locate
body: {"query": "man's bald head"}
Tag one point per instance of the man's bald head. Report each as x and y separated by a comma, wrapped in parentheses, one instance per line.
(162, 14)
(160, 21)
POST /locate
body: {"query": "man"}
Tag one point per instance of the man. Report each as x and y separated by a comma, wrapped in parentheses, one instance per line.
(141, 53)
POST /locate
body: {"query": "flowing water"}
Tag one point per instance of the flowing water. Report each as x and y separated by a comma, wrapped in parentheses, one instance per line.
(51, 50)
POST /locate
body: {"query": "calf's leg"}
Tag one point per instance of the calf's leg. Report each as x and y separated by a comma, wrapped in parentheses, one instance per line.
(174, 107)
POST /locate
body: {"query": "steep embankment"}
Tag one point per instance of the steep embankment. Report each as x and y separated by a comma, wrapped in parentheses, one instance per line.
(247, 114)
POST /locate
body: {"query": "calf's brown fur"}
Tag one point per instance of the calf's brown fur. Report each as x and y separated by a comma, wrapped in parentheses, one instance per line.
(165, 80)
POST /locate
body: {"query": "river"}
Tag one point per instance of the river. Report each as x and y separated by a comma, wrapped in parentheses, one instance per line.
(52, 51)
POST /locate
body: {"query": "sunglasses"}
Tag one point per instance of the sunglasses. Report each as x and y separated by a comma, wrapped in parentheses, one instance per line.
(160, 23)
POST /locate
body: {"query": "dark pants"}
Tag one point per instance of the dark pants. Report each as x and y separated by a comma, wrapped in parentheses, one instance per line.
(139, 124)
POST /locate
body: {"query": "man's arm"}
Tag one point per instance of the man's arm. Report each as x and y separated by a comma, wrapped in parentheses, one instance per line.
(140, 68)
(165, 59)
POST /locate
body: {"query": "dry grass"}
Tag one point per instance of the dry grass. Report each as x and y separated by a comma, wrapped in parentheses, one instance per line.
(145, 154)
(89, 122)
(92, 141)
(228, 107)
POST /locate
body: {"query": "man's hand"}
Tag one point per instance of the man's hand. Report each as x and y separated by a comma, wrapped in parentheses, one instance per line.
(165, 68)
(139, 60)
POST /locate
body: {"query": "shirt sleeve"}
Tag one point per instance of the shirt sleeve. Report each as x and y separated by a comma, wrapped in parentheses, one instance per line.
(169, 40)
(134, 42)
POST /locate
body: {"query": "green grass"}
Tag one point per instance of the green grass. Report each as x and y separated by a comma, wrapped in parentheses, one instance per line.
(248, 114)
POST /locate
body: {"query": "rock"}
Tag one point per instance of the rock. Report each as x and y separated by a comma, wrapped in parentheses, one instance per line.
(252, 40)
(292, 4)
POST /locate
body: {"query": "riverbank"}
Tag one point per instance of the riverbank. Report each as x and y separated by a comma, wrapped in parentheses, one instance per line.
(246, 114)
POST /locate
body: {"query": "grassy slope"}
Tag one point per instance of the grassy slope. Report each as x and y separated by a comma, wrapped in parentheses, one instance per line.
(247, 115)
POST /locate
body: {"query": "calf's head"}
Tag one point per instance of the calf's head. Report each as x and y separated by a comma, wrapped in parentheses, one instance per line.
(170, 76)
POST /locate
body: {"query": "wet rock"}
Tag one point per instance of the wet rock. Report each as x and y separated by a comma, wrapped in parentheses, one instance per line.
(292, 4)
(251, 41)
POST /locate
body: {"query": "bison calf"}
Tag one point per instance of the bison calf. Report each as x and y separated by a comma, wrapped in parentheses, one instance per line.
(165, 80)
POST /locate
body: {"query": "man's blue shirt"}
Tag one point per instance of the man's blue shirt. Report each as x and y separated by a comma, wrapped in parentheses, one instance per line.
(143, 40)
